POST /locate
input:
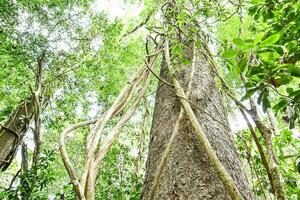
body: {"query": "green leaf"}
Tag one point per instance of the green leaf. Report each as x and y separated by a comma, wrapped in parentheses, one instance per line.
(270, 40)
(242, 64)
(242, 44)
(295, 71)
(249, 93)
(281, 104)
(178, 50)
(284, 66)
(253, 9)
(258, 38)
(294, 93)
(282, 81)
(279, 49)
(289, 90)
(256, 70)
(259, 99)
(238, 42)
(230, 53)
(298, 164)
(266, 102)
(297, 98)
(249, 84)
(185, 61)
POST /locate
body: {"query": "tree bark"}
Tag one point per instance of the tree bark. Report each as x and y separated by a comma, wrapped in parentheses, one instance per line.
(24, 161)
(188, 174)
(266, 133)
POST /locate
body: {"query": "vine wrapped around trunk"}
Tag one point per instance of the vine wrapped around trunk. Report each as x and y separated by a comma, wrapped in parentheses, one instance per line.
(188, 173)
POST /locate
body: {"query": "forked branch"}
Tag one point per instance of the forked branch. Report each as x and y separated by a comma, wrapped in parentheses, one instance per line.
(66, 159)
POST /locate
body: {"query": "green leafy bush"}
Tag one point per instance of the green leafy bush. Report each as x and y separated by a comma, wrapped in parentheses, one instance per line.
(33, 183)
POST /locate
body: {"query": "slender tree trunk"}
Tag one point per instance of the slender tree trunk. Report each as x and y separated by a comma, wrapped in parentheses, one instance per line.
(24, 162)
(272, 159)
(37, 111)
(37, 132)
(188, 174)
(276, 181)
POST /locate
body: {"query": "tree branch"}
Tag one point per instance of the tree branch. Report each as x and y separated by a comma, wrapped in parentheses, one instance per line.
(66, 160)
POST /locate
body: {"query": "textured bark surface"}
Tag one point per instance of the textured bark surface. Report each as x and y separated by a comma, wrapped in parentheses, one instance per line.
(188, 173)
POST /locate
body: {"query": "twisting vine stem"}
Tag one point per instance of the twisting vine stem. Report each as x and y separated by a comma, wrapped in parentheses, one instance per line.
(167, 150)
(84, 186)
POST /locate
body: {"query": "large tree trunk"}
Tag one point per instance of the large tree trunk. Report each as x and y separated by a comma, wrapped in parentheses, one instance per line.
(188, 174)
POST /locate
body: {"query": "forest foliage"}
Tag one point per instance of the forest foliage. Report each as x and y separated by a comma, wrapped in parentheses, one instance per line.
(87, 57)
